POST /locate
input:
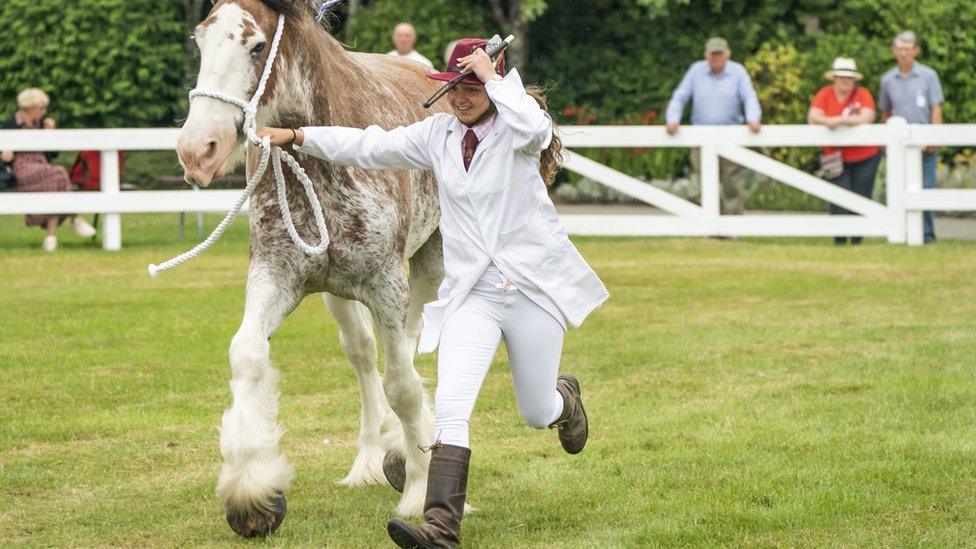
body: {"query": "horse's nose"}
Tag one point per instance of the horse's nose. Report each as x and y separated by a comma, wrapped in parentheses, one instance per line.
(206, 155)
(201, 158)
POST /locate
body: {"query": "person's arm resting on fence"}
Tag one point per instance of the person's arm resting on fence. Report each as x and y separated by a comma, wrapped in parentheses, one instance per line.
(679, 100)
(9, 124)
(751, 102)
(884, 101)
(936, 98)
(373, 148)
(531, 125)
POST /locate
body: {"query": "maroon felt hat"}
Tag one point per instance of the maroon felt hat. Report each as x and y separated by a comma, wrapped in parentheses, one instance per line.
(464, 48)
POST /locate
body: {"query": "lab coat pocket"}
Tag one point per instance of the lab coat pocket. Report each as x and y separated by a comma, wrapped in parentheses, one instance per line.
(530, 244)
(491, 171)
(459, 257)
(568, 279)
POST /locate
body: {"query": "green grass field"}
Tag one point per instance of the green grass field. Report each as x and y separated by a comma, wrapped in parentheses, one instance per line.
(758, 393)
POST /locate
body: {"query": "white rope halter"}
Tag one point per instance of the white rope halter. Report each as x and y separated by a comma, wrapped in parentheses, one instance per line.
(275, 154)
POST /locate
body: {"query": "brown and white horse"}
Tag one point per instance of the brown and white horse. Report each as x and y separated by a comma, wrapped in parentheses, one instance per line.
(376, 220)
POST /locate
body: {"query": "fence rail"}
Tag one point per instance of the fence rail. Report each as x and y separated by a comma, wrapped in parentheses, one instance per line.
(899, 218)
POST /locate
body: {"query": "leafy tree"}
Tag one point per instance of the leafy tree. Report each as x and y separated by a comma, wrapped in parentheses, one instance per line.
(515, 20)
(103, 62)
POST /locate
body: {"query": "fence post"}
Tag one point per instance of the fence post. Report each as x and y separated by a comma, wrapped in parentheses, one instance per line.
(112, 222)
(710, 184)
(895, 180)
(913, 184)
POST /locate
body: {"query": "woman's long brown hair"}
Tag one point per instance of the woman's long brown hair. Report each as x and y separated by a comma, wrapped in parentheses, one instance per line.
(551, 159)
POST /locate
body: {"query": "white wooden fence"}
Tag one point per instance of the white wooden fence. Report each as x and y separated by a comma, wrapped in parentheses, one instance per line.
(899, 219)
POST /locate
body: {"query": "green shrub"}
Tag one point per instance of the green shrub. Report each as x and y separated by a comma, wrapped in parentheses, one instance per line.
(104, 63)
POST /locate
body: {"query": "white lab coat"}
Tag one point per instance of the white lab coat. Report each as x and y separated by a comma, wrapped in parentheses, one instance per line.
(499, 211)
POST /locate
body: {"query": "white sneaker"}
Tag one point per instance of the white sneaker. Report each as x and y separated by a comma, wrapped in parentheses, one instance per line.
(82, 228)
(50, 243)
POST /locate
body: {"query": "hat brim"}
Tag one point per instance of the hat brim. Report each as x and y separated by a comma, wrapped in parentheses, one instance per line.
(831, 74)
(447, 76)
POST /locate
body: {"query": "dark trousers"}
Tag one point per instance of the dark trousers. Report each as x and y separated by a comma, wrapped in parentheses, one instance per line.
(930, 163)
(857, 177)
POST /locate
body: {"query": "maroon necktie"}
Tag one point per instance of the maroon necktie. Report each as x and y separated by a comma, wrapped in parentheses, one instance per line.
(470, 145)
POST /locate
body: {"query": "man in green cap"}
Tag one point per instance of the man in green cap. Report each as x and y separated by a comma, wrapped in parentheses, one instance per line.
(721, 93)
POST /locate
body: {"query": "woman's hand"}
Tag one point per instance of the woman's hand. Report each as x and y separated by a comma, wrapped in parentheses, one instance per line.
(48, 124)
(282, 136)
(480, 64)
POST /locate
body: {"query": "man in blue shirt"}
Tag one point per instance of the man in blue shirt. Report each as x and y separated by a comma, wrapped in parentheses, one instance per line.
(721, 93)
(913, 91)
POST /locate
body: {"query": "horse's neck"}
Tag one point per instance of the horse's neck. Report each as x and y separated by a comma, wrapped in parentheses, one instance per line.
(321, 82)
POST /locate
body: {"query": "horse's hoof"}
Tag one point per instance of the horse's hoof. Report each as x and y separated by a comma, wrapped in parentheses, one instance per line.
(256, 523)
(395, 470)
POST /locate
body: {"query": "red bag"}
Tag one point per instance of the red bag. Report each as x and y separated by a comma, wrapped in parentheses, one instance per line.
(87, 170)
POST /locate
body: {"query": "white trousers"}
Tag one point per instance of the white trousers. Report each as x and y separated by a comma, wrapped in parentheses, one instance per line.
(469, 338)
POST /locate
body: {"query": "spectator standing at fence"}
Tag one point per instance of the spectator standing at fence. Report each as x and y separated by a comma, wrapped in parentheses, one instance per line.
(845, 103)
(404, 40)
(721, 93)
(913, 91)
(34, 172)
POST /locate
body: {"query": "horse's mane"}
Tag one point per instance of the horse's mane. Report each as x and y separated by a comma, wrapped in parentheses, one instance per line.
(289, 8)
(297, 9)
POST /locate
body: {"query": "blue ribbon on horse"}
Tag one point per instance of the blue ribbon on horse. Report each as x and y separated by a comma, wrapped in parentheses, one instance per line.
(324, 8)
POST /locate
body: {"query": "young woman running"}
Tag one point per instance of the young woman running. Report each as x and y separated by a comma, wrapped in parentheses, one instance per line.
(510, 270)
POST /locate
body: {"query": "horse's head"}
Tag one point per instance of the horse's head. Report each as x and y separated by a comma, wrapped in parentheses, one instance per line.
(234, 42)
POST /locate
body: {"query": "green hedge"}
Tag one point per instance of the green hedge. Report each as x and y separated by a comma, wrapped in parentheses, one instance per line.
(618, 58)
(105, 63)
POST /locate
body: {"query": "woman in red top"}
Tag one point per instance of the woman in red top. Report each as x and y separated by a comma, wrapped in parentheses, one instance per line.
(846, 104)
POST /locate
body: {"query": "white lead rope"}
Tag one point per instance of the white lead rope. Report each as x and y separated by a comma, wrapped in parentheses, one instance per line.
(275, 155)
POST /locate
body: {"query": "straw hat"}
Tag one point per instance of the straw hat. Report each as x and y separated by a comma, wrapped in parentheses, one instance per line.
(843, 66)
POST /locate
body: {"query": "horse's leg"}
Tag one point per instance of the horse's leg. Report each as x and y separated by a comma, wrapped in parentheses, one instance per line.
(255, 474)
(388, 299)
(356, 336)
(426, 273)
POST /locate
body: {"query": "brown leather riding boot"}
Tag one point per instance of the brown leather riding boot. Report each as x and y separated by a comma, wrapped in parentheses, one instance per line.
(572, 423)
(447, 483)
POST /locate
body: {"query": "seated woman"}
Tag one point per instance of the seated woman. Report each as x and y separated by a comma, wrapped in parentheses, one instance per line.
(33, 171)
(846, 104)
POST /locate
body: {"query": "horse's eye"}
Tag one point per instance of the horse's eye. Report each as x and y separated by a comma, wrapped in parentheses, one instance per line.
(257, 49)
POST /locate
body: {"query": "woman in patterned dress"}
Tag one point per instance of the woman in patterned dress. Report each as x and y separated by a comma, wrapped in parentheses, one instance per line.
(33, 171)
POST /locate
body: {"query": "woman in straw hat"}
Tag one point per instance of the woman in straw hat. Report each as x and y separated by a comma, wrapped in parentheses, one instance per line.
(845, 103)
(510, 271)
